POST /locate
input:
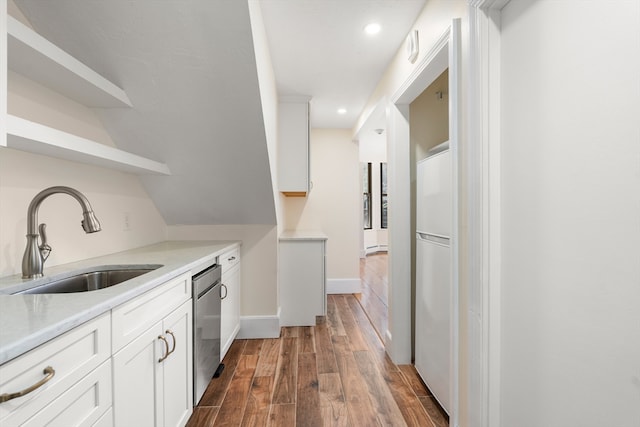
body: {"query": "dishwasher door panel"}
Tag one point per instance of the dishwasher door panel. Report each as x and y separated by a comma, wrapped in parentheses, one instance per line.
(206, 333)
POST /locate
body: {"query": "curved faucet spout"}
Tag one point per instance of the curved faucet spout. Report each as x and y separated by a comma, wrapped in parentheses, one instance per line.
(34, 254)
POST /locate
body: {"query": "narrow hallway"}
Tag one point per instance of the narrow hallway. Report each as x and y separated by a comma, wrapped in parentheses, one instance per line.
(334, 373)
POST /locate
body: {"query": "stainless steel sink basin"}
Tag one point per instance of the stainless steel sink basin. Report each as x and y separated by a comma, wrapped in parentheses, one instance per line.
(101, 278)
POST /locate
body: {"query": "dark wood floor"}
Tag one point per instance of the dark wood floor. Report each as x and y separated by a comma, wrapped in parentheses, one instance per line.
(333, 374)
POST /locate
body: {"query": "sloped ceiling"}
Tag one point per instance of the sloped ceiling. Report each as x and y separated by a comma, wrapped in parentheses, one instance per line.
(189, 68)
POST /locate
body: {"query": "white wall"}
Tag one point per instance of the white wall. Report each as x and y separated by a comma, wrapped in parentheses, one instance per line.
(259, 280)
(259, 261)
(112, 194)
(429, 118)
(571, 214)
(432, 22)
(332, 205)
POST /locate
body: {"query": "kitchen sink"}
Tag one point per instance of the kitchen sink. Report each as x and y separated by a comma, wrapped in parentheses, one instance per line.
(100, 278)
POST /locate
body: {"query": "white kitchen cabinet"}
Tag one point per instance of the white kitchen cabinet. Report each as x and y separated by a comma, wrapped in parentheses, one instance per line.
(27, 53)
(302, 278)
(293, 146)
(230, 294)
(177, 369)
(78, 392)
(152, 375)
(83, 404)
(132, 318)
(153, 357)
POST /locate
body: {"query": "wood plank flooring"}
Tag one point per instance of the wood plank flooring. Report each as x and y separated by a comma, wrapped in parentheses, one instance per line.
(375, 290)
(333, 374)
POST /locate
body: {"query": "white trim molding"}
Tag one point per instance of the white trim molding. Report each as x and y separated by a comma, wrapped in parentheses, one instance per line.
(4, 58)
(430, 67)
(376, 249)
(259, 327)
(344, 286)
(455, 124)
(483, 220)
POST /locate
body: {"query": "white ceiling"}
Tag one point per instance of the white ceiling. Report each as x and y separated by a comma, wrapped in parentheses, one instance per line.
(318, 48)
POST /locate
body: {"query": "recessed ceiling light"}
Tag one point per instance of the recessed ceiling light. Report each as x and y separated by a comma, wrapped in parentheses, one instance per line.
(372, 28)
(342, 111)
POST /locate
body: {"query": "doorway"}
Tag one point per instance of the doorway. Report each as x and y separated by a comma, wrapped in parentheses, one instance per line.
(444, 54)
(373, 233)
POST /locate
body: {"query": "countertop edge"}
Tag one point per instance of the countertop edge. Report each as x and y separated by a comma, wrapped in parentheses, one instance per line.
(13, 346)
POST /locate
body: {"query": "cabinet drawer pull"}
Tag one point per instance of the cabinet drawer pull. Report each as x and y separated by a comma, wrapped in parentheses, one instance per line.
(231, 259)
(173, 348)
(226, 291)
(49, 371)
(166, 348)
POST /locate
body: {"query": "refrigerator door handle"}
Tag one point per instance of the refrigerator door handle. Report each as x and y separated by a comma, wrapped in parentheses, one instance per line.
(435, 238)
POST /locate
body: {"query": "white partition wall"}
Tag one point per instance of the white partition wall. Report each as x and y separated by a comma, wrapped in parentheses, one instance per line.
(570, 319)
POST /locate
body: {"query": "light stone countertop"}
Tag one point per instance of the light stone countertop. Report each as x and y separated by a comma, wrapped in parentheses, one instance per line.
(26, 321)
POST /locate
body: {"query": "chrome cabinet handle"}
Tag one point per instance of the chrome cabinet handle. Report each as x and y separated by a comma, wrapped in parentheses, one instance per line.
(166, 348)
(50, 373)
(226, 291)
(173, 348)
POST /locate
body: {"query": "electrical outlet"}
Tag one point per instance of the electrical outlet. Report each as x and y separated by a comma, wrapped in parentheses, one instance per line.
(126, 223)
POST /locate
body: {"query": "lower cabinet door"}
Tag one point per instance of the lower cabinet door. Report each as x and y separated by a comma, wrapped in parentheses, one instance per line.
(137, 380)
(106, 420)
(84, 404)
(153, 376)
(177, 367)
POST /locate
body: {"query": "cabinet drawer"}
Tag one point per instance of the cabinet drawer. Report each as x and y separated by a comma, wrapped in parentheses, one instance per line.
(84, 404)
(72, 356)
(229, 259)
(132, 318)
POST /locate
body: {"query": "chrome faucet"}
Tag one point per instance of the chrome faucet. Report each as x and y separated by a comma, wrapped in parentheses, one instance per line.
(35, 255)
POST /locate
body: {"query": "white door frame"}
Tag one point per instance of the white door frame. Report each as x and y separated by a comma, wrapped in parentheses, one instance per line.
(446, 53)
(482, 147)
(3, 73)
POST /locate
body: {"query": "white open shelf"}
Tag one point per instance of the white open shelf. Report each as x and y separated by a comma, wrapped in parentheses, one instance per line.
(35, 57)
(33, 137)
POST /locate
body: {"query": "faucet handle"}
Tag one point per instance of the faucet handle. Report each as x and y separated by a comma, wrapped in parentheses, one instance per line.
(44, 247)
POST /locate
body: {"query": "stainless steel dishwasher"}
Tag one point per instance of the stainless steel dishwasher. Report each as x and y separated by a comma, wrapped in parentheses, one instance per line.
(206, 329)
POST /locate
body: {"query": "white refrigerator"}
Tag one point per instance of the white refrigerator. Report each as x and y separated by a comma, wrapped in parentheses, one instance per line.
(433, 272)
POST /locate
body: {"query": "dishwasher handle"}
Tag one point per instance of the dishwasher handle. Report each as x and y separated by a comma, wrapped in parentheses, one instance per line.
(213, 285)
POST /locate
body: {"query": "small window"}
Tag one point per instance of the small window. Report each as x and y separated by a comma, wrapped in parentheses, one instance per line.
(383, 195)
(366, 196)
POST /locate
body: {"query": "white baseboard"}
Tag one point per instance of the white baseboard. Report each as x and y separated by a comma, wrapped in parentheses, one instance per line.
(375, 249)
(259, 327)
(343, 286)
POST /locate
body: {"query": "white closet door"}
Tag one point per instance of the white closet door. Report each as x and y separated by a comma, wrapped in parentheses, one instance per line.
(433, 314)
